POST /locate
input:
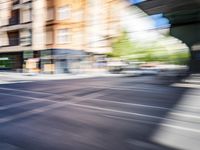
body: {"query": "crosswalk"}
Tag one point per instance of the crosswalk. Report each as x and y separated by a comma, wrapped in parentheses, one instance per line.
(16, 104)
(28, 103)
(193, 81)
(32, 102)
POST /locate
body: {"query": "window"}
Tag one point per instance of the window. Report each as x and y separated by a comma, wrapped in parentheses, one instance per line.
(50, 14)
(13, 37)
(62, 36)
(25, 37)
(78, 15)
(49, 37)
(63, 12)
(14, 18)
(26, 15)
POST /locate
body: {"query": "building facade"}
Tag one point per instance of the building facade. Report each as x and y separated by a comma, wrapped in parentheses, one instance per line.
(55, 35)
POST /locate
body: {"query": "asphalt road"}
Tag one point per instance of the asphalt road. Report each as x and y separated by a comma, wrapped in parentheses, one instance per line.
(111, 113)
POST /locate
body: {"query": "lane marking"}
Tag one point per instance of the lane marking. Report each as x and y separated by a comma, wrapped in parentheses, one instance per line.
(74, 103)
(50, 94)
(186, 85)
(27, 97)
(78, 99)
(30, 112)
(153, 107)
(71, 96)
(17, 104)
(130, 104)
(119, 111)
(180, 128)
(142, 115)
(125, 88)
(121, 88)
(39, 110)
(91, 97)
(33, 92)
(185, 115)
(154, 123)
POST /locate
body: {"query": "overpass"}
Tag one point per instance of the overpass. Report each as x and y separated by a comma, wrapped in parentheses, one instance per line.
(184, 17)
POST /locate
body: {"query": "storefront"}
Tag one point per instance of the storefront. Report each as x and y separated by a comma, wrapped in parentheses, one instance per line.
(60, 60)
(11, 61)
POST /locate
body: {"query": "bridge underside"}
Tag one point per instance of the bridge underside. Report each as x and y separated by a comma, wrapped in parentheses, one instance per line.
(184, 17)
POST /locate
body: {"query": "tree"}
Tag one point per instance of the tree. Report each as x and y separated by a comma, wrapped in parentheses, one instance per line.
(127, 49)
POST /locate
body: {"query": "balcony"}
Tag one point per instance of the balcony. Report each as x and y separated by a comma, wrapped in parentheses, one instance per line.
(14, 42)
(13, 38)
(14, 19)
(26, 41)
(15, 2)
(25, 1)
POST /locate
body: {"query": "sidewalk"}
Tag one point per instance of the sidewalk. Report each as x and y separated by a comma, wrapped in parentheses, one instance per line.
(193, 81)
(34, 77)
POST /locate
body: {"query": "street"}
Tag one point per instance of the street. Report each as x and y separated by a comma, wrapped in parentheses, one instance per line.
(100, 113)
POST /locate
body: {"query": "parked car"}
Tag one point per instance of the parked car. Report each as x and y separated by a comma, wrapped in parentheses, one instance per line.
(116, 66)
(172, 71)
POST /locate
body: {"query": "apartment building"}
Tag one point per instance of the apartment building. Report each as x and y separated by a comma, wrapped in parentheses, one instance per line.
(15, 32)
(53, 35)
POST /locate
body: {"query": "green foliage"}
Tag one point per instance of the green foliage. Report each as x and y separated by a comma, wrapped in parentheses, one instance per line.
(124, 48)
(180, 58)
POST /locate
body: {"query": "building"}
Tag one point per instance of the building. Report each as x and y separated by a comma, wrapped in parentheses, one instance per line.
(55, 35)
(15, 32)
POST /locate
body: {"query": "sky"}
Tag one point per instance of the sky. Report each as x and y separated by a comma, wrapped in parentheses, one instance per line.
(159, 20)
(136, 1)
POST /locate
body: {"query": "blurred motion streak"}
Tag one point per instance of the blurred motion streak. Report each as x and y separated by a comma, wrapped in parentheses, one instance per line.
(82, 37)
(135, 67)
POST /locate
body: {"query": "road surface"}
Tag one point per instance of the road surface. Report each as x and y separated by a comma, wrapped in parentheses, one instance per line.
(110, 113)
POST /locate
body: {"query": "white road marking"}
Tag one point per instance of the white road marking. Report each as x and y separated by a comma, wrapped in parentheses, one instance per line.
(125, 88)
(17, 104)
(41, 109)
(181, 114)
(185, 115)
(74, 102)
(138, 114)
(160, 124)
(186, 85)
(92, 98)
(180, 128)
(130, 104)
(33, 92)
(56, 104)
(27, 97)
(62, 103)
(92, 95)
(153, 107)
(118, 111)
(31, 112)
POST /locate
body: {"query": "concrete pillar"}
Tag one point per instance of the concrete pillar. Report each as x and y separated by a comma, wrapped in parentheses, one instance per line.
(190, 35)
